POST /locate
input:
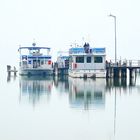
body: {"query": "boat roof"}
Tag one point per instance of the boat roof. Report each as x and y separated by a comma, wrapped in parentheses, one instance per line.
(63, 57)
(81, 50)
(34, 48)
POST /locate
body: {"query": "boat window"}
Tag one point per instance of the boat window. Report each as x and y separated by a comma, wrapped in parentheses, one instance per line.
(98, 59)
(79, 59)
(29, 62)
(88, 59)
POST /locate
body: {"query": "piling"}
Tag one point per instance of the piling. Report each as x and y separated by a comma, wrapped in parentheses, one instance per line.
(9, 70)
(123, 72)
(116, 72)
(56, 69)
(131, 72)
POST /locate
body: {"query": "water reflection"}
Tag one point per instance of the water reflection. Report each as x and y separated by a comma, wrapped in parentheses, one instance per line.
(110, 111)
(87, 94)
(121, 84)
(84, 94)
(11, 77)
(62, 84)
(33, 88)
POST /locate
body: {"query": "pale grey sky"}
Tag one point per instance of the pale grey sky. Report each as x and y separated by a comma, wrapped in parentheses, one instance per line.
(58, 23)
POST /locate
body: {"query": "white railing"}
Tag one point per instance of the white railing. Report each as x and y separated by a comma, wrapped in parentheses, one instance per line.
(127, 63)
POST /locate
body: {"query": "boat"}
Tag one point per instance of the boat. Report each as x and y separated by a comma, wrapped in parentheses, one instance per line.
(35, 61)
(63, 59)
(87, 62)
(62, 63)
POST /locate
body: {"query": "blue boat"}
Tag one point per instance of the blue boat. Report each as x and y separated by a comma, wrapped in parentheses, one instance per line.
(35, 61)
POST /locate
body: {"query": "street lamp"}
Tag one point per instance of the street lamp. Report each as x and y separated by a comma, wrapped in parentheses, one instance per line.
(115, 37)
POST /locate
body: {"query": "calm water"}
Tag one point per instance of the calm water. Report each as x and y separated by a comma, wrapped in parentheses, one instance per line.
(69, 109)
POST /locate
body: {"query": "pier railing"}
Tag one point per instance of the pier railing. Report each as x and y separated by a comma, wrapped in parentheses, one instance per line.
(125, 63)
(120, 68)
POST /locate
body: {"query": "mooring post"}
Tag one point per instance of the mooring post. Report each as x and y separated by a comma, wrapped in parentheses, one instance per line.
(131, 73)
(124, 72)
(107, 72)
(116, 72)
(15, 71)
(56, 69)
(9, 70)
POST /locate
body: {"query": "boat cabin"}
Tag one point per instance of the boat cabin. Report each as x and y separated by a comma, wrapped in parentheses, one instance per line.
(63, 59)
(87, 62)
(35, 60)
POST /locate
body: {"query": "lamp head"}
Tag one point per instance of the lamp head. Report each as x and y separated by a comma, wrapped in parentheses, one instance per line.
(111, 15)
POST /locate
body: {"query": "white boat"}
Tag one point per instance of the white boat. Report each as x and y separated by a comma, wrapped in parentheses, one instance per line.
(35, 61)
(63, 59)
(87, 62)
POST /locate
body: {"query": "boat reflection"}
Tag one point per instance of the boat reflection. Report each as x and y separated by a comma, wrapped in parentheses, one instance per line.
(87, 94)
(62, 84)
(34, 88)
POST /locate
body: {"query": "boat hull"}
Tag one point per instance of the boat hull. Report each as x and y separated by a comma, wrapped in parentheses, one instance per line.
(87, 73)
(31, 72)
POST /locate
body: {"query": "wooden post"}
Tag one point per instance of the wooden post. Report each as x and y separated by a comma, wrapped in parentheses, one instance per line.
(15, 71)
(124, 72)
(9, 70)
(131, 73)
(116, 72)
(56, 69)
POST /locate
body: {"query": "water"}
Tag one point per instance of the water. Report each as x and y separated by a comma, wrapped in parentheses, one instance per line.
(69, 109)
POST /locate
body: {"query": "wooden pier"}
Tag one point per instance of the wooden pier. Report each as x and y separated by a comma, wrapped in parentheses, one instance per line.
(121, 70)
(9, 70)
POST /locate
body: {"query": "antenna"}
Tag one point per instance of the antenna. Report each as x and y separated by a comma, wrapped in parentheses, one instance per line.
(34, 44)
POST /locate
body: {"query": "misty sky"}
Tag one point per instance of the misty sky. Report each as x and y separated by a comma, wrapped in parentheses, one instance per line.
(58, 23)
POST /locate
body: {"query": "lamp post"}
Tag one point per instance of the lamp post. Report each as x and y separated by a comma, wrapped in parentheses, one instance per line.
(115, 36)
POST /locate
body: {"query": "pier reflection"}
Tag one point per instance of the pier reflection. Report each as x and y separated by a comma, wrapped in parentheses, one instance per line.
(116, 83)
(9, 78)
(87, 94)
(121, 84)
(35, 88)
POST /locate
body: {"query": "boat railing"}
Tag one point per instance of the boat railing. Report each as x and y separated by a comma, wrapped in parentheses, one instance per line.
(90, 51)
(37, 54)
